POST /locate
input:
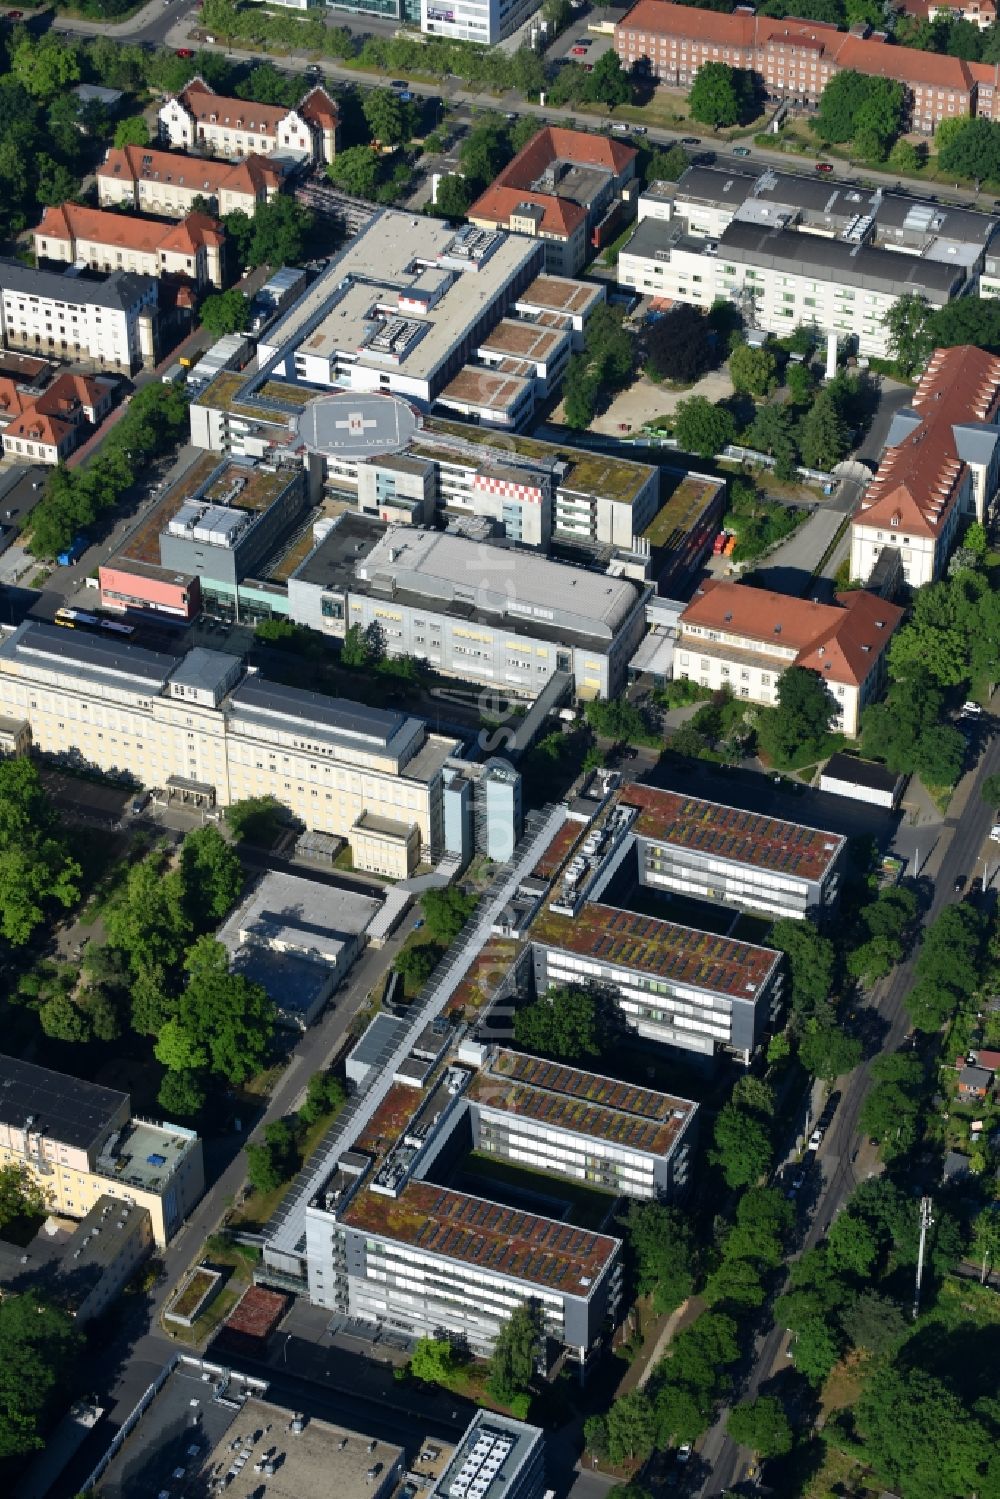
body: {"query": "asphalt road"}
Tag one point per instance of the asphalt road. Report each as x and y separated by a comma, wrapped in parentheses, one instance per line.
(956, 853)
(172, 25)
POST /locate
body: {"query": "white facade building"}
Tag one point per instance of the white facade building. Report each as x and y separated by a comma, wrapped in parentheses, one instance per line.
(111, 321)
(795, 250)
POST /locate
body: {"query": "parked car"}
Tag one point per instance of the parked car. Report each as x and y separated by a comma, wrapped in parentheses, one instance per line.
(578, 51)
(823, 166)
(639, 130)
(959, 884)
(741, 150)
(184, 52)
(399, 83)
(816, 1139)
(690, 140)
(971, 710)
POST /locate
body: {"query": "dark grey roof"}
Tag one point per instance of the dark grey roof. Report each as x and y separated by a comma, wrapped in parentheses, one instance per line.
(122, 289)
(650, 236)
(836, 260)
(718, 184)
(860, 772)
(336, 713)
(94, 652)
(975, 1077)
(331, 562)
(64, 1108)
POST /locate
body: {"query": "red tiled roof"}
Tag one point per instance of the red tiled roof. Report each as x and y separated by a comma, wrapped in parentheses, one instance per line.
(841, 643)
(919, 479)
(318, 107)
(866, 55)
(12, 401)
(243, 114)
(513, 187)
(37, 427)
(498, 204)
(75, 221)
(200, 174)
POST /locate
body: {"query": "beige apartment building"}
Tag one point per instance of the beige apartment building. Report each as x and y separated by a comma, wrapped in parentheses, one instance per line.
(163, 182)
(205, 731)
(80, 1143)
(197, 119)
(107, 241)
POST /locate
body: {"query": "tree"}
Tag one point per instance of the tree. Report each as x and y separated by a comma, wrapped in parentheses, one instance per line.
(763, 1218)
(356, 170)
(363, 646)
(752, 370)
(951, 954)
(178, 1050)
(446, 912)
(182, 1094)
(754, 1093)
(816, 1349)
(564, 1023)
(827, 1052)
(453, 197)
(132, 131)
(607, 82)
(434, 1361)
(659, 1239)
(276, 235)
(20, 1195)
(224, 1012)
(63, 1021)
(225, 312)
(986, 1238)
(970, 151)
(255, 819)
(762, 1425)
(212, 874)
(735, 1283)
(742, 1145)
(678, 345)
(771, 432)
(36, 871)
(721, 95)
(668, 166)
(701, 427)
(812, 960)
(325, 1094)
(263, 1173)
(889, 1115)
(919, 1434)
(852, 1245)
(864, 109)
(416, 964)
(486, 150)
(515, 1354)
(388, 117)
(802, 717)
(39, 1349)
(46, 65)
(906, 323)
(874, 1322)
(631, 1426)
(823, 436)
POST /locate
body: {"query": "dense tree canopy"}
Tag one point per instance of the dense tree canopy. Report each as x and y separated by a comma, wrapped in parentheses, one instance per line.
(566, 1023)
(802, 718)
(37, 872)
(39, 1349)
(721, 95)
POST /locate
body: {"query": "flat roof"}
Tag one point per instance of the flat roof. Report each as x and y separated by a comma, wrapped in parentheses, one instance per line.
(720, 832)
(331, 560)
(849, 768)
(64, 1108)
(498, 1240)
(837, 260)
(673, 521)
(561, 294)
(624, 939)
(357, 424)
(488, 389)
(489, 1458)
(557, 1096)
(36, 645)
(299, 915)
(458, 575)
(524, 340)
(368, 727)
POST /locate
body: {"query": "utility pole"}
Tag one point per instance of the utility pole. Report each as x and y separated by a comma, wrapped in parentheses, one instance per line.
(926, 1221)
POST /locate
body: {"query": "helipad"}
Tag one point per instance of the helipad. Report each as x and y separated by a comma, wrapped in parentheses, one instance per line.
(356, 424)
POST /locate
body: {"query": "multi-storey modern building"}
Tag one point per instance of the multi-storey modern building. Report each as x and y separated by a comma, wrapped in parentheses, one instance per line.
(740, 638)
(80, 1143)
(699, 848)
(111, 320)
(401, 308)
(198, 119)
(497, 1458)
(105, 241)
(483, 613)
(792, 250)
(672, 984)
(796, 59)
(940, 467)
(207, 732)
(167, 183)
(482, 809)
(563, 187)
(548, 1117)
